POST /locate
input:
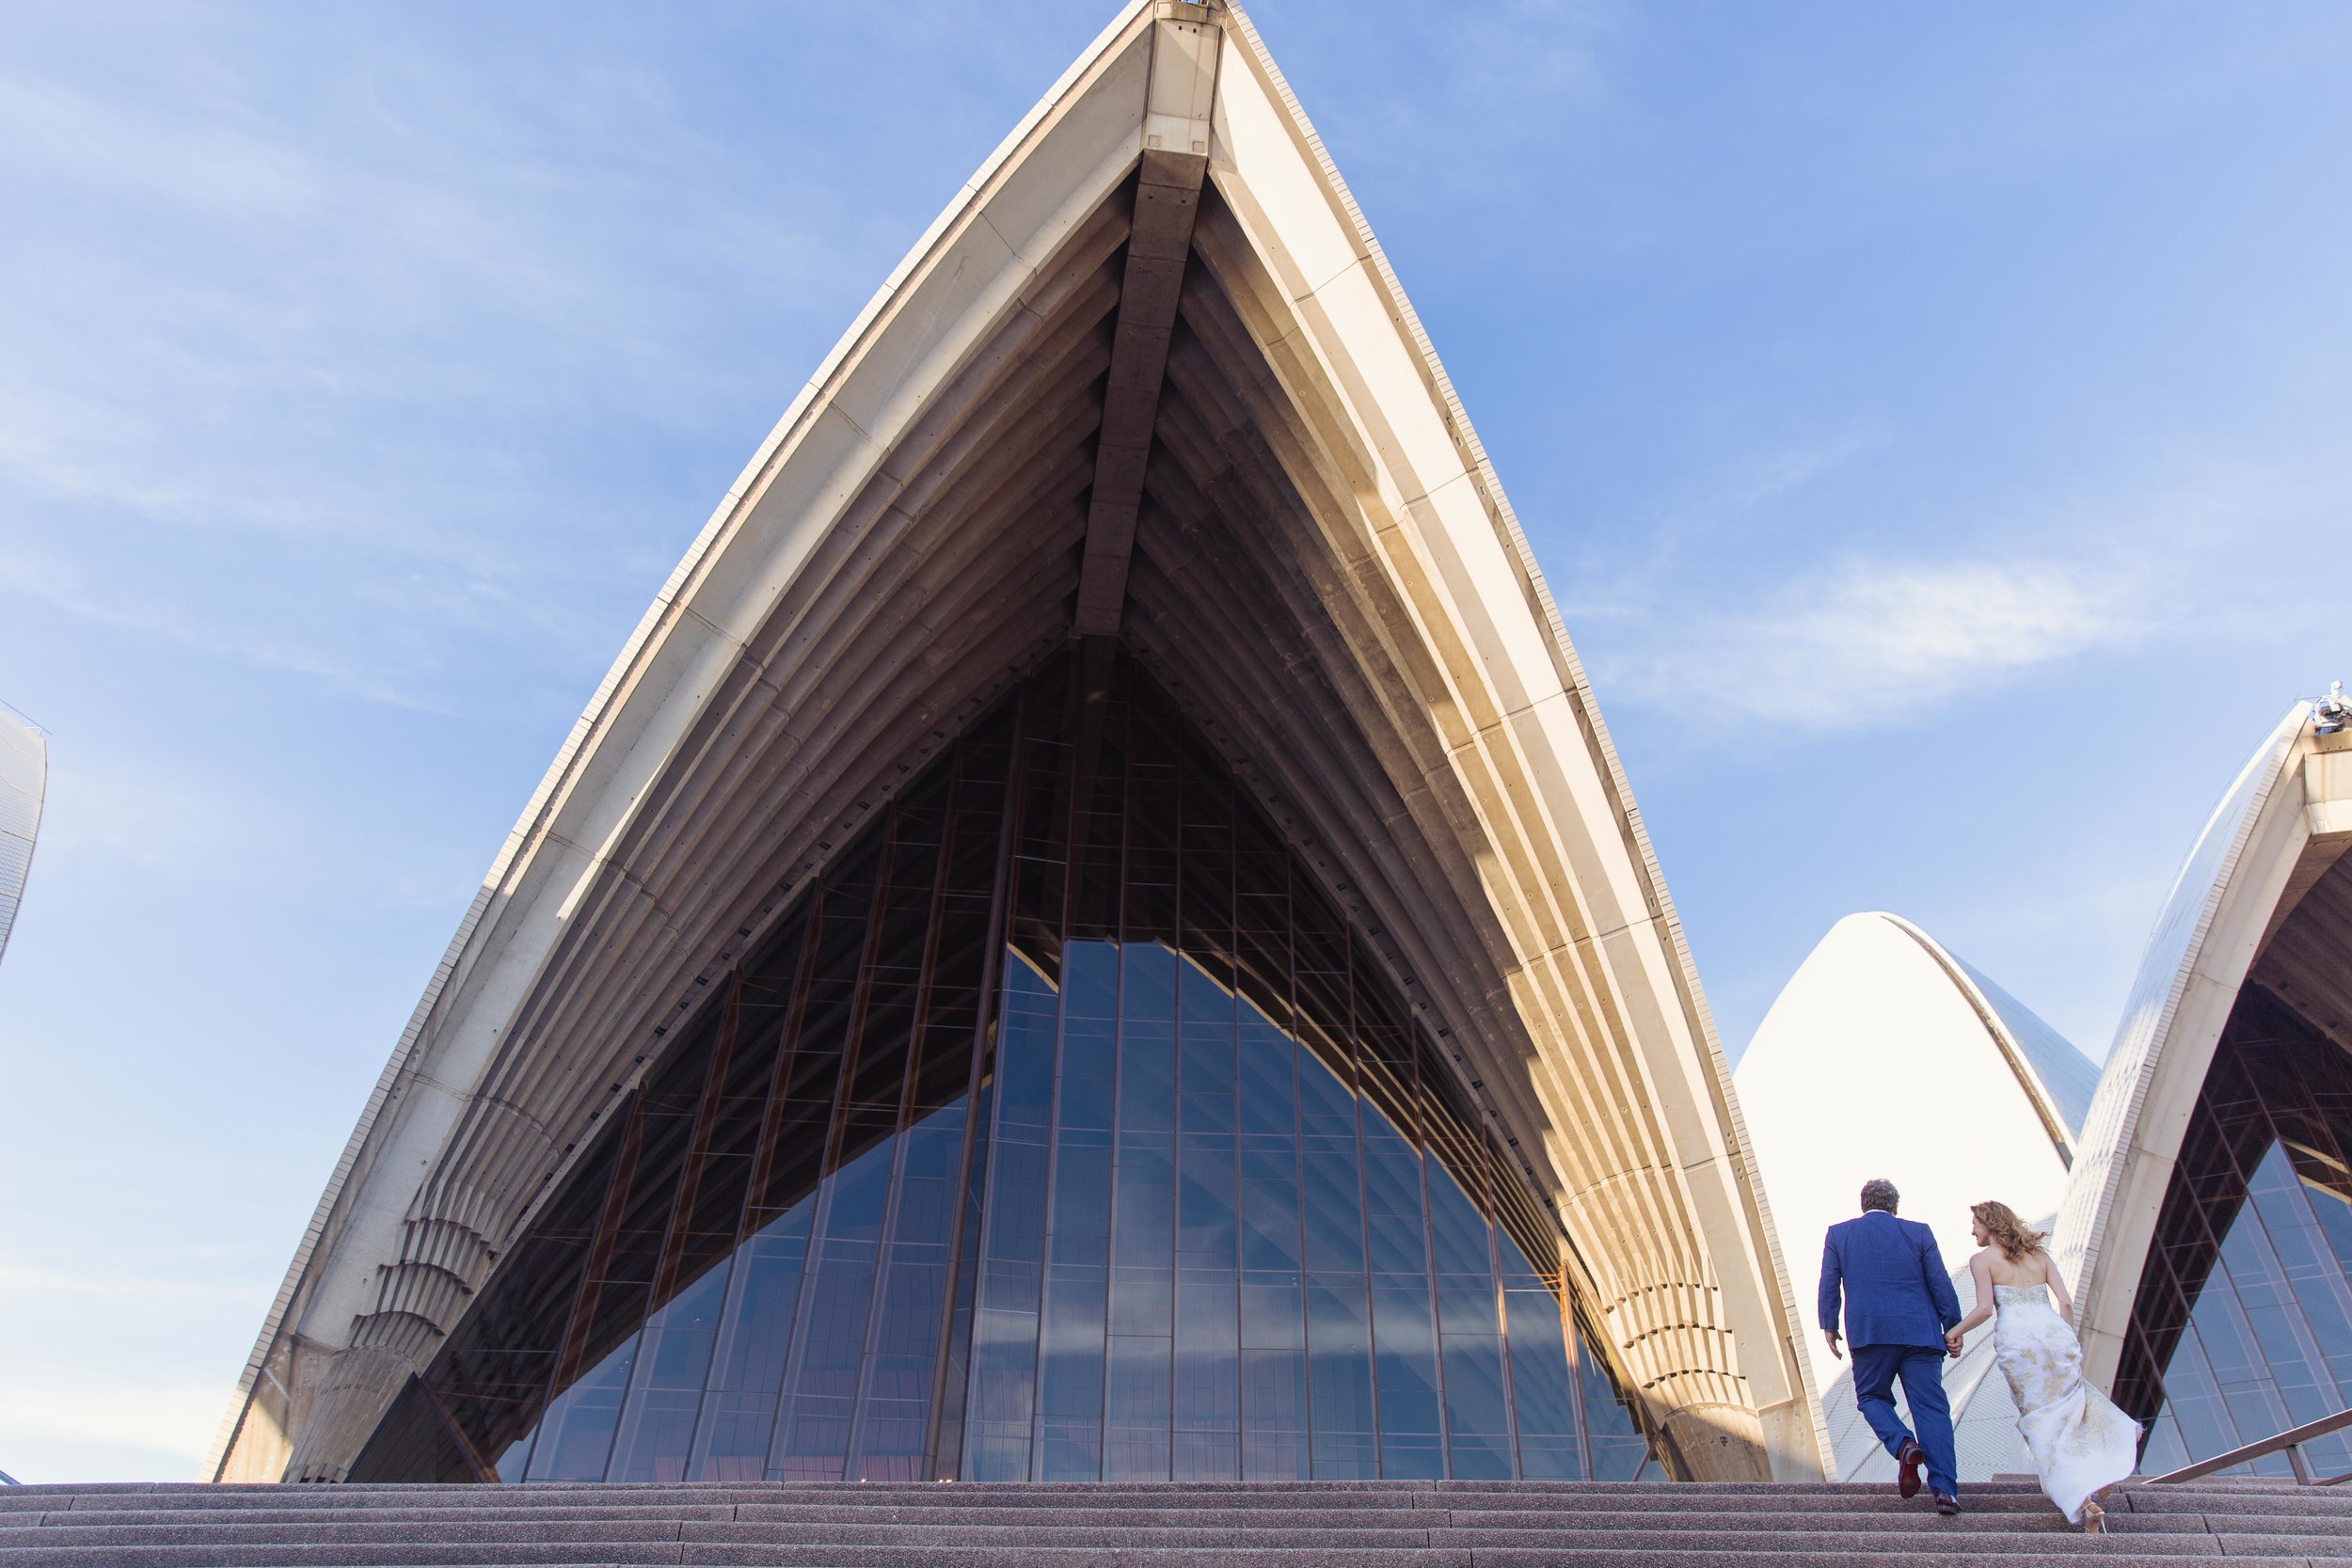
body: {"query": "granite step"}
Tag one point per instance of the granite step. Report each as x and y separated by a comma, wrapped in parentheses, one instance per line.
(1595, 1556)
(1922, 1538)
(1967, 1524)
(1047, 1495)
(1226, 1525)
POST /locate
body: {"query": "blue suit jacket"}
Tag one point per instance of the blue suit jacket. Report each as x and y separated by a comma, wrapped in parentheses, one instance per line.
(1893, 1280)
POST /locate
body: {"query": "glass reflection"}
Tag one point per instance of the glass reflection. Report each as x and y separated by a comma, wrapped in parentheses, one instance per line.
(1316, 1296)
(1064, 1129)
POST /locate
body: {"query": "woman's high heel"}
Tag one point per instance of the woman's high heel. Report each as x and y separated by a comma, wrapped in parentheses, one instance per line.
(2094, 1519)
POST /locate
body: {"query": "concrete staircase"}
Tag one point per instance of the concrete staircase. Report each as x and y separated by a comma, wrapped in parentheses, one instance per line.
(1341, 1525)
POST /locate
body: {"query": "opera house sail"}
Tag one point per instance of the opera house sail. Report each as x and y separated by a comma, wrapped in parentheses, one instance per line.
(2209, 1224)
(1881, 1016)
(1094, 930)
(24, 781)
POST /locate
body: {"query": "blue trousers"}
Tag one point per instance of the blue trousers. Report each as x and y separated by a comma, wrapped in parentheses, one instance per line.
(1875, 1369)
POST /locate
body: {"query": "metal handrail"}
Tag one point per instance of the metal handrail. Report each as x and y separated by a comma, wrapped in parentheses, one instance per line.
(2288, 1442)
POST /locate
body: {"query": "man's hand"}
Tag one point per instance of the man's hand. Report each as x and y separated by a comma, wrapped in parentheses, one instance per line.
(1831, 1334)
(1953, 1340)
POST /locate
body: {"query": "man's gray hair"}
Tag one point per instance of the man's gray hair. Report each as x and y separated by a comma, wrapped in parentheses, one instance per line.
(1878, 1193)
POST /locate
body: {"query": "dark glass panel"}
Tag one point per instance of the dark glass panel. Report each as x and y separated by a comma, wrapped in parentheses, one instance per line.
(829, 1335)
(1405, 1342)
(1205, 1050)
(666, 1397)
(1338, 1365)
(1002, 1405)
(1205, 1233)
(1070, 1374)
(1326, 1100)
(1089, 1060)
(1080, 1225)
(739, 1415)
(1145, 1232)
(1395, 1227)
(1208, 1373)
(1543, 1398)
(1063, 1129)
(1024, 1050)
(1332, 1198)
(1134, 1430)
(1477, 1415)
(903, 1343)
(1273, 1376)
(1269, 1205)
(575, 1440)
(1148, 972)
(2242, 1323)
(2164, 1448)
(1268, 1074)
(1459, 1234)
(954, 1379)
(1090, 984)
(2194, 1401)
(1146, 1078)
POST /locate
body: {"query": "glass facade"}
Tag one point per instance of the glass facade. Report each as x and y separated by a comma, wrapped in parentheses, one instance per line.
(1065, 1129)
(2243, 1321)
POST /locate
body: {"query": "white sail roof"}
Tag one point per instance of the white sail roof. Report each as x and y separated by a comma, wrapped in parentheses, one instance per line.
(1149, 377)
(1887, 1056)
(23, 782)
(2281, 826)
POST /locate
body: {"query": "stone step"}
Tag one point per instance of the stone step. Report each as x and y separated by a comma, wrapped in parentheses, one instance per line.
(1927, 1534)
(2313, 1502)
(1841, 1491)
(2045, 1520)
(1358, 1525)
(410, 1556)
(1092, 1495)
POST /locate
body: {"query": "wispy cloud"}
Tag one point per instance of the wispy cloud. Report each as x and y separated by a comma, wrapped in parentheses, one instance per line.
(148, 819)
(298, 358)
(1867, 640)
(1775, 471)
(1690, 528)
(60, 587)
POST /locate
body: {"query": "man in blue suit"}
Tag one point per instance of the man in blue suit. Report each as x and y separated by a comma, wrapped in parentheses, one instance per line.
(1899, 1303)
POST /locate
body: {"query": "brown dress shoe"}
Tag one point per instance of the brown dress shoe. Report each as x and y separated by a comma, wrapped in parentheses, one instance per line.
(1910, 1456)
(1947, 1504)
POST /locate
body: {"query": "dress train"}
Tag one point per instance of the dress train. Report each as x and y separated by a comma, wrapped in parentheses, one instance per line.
(2080, 1442)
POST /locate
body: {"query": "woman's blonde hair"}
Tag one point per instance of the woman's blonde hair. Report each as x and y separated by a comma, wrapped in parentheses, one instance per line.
(2007, 1231)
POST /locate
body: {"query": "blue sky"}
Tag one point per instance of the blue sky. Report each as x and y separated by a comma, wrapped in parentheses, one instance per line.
(1933, 424)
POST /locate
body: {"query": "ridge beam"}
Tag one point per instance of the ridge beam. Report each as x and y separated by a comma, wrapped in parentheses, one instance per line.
(1185, 47)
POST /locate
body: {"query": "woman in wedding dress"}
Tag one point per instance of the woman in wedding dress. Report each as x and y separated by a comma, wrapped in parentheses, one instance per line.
(2080, 1442)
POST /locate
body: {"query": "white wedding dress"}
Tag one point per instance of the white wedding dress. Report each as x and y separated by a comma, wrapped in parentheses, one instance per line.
(2079, 1440)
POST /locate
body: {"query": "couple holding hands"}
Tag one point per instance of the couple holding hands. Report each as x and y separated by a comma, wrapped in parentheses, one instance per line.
(1902, 1318)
